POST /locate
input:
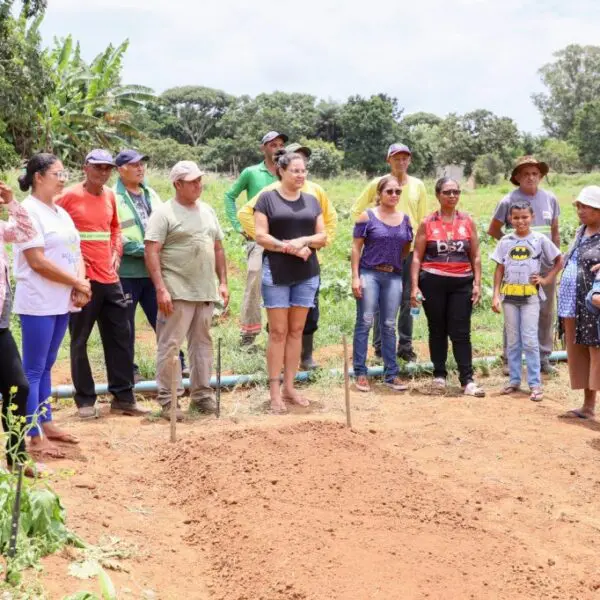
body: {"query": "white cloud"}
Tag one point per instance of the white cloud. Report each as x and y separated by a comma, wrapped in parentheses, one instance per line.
(432, 55)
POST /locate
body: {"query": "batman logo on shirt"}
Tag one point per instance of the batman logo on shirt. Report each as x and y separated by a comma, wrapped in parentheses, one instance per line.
(520, 253)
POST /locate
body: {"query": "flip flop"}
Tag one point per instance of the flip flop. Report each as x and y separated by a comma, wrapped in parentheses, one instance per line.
(536, 395)
(509, 389)
(576, 413)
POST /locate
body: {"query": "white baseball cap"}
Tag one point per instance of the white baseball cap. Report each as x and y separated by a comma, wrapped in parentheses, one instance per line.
(185, 170)
(590, 196)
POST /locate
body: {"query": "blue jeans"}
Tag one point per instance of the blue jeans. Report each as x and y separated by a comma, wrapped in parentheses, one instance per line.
(381, 293)
(521, 325)
(42, 336)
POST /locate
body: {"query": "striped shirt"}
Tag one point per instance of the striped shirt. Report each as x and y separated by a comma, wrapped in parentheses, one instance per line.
(448, 245)
(97, 221)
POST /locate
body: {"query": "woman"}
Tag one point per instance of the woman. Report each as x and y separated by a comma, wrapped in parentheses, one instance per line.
(446, 277)
(48, 269)
(13, 383)
(289, 226)
(382, 239)
(580, 324)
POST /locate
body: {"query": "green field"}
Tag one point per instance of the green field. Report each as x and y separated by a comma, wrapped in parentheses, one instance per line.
(337, 303)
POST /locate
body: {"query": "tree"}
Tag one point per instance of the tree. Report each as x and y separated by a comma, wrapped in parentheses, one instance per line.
(370, 126)
(164, 153)
(560, 155)
(487, 169)
(572, 80)
(586, 134)
(420, 118)
(196, 110)
(328, 125)
(325, 160)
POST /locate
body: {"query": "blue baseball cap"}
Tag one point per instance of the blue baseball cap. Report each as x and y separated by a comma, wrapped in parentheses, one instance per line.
(273, 135)
(99, 157)
(397, 148)
(126, 157)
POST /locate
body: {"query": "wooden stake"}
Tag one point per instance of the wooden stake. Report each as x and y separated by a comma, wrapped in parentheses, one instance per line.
(174, 386)
(347, 382)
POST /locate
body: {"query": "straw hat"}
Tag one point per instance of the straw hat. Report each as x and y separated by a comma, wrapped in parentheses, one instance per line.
(525, 161)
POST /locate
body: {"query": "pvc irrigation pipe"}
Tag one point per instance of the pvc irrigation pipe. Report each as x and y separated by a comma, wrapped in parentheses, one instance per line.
(67, 391)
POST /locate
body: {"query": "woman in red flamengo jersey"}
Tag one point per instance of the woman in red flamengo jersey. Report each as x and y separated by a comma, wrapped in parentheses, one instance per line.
(446, 278)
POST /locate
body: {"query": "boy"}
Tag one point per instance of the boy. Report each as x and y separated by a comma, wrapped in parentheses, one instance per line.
(518, 287)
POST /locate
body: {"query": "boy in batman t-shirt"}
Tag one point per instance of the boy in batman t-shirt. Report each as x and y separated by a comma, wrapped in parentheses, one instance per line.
(517, 292)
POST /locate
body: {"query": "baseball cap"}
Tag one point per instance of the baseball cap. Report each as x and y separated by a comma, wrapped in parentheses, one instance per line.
(185, 170)
(126, 157)
(99, 157)
(273, 135)
(590, 196)
(397, 148)
(296, 147)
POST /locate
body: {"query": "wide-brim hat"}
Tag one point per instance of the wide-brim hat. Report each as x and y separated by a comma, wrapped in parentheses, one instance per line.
(526, 161)
(590, 196)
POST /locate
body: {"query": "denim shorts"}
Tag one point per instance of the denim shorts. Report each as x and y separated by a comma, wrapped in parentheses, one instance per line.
(283, 296)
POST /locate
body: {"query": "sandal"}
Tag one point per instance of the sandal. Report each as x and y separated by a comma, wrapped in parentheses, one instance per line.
(362, 384)
(536, 395)
(509, 388)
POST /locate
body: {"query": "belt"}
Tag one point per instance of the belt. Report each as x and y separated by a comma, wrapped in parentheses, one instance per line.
(518, 289)
(385, 268)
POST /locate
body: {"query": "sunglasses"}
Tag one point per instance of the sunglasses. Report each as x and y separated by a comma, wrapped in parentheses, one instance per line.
(393, 192)
(451, 193)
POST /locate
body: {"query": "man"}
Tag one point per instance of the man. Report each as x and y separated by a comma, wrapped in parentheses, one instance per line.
(184, 250)
(93, 208)
(135, 202)
(527, 174)
(413, 202)
(252, 180)
(246, 218)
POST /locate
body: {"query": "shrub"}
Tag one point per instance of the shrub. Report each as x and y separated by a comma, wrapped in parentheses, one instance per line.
(165, 152)
(487, 169)
(326, 159)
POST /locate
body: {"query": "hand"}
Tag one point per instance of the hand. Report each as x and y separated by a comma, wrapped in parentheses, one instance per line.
(79, 299)
(537, 279)
(83, 287)
(476, 295)
(357, 287)
(165, 304)
(304, 254)
(116, 262)
(296, 244)
(224, 293)
(496, 304)
(416, 297)
(595, 268)
(6, 193)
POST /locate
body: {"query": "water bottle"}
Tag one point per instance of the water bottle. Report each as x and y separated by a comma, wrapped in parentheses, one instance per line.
(415, 311)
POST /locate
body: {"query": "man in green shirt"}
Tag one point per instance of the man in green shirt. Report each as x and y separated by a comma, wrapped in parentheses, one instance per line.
(252, 180)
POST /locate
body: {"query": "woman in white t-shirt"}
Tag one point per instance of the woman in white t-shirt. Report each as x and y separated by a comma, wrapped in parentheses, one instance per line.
(51, 283)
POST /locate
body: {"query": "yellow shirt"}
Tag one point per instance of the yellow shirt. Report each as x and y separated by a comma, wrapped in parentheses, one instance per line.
(413, 200)
(246, 213)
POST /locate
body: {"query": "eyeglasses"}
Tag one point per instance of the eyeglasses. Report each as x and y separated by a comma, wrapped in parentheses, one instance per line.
(298, 171)
(62, 176)
(394, 192)
(451, 193)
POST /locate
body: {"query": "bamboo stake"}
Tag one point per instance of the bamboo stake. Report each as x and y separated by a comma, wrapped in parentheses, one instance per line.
(14, 527)
(347, 383)
(218, 391)
(174, 385)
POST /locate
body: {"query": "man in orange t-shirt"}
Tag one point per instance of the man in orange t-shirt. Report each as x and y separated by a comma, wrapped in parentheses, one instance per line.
(93, 208)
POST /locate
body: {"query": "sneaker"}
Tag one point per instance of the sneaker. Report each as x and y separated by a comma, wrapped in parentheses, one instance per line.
(472, 389)
(165, 413)
(247, 340)
(439, 383)
(130, 409)
(548, 369)
(362, 384)
(206, 406)
(87, 412)
(406, 355)
(397, 385)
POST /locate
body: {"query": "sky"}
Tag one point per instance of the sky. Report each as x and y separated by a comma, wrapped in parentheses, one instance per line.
(439, 56)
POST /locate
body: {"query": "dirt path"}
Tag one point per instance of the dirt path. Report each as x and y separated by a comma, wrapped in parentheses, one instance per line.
(429, 497)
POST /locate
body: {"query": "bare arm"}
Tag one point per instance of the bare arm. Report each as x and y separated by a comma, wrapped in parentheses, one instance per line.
(498, 277)
(38, 261)
(221, 270)
(267, 241)
(418, 253)
(475, 256)
(152, 260)
(317, 240)
(555, 233)
(495, 229)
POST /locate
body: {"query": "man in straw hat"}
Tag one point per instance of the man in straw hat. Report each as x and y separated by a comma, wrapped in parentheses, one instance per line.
(527, 174)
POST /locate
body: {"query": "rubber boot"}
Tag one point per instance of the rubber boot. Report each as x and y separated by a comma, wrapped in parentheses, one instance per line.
(307, 362)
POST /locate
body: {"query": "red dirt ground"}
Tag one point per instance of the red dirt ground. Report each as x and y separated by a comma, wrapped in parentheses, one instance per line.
(431, 497)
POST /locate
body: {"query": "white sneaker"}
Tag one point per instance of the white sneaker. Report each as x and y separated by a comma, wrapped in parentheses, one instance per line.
(439, 382)
(472, 389)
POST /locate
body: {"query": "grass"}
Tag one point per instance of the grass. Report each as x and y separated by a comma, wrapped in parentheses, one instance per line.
(337, 304)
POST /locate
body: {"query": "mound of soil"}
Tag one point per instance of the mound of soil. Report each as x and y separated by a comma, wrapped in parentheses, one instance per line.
(316, 511)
